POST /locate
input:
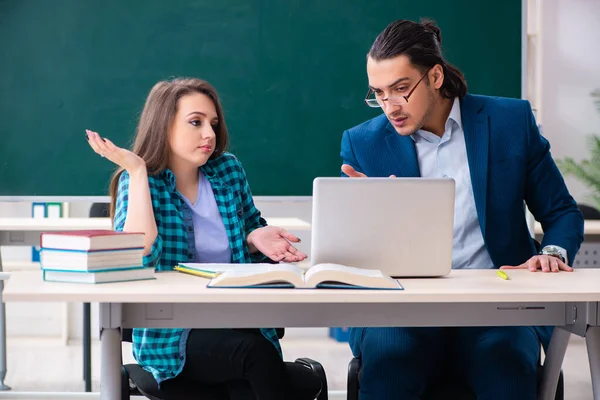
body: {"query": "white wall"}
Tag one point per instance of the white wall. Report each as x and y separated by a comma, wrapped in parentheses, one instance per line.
(570, 71)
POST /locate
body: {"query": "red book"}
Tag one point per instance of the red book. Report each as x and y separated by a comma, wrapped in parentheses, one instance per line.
(91, 240)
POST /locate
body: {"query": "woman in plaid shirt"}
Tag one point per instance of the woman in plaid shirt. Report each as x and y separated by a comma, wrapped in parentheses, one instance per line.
(193, 202)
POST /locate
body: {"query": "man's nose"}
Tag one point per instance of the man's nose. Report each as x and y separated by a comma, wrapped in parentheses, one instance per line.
(391, 109)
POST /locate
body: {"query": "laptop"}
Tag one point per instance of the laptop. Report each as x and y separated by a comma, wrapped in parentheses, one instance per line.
(401, 226)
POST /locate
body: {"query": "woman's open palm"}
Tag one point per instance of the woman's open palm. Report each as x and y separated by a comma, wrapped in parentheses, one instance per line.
(125, 159)
(276, 243)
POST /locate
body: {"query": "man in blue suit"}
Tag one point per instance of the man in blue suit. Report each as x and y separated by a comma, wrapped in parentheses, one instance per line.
(491, 147)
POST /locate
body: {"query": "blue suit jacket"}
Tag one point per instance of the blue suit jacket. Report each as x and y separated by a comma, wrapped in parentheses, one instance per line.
(509, 161)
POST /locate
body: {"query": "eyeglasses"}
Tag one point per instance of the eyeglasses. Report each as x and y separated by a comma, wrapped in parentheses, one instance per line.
(395, 99)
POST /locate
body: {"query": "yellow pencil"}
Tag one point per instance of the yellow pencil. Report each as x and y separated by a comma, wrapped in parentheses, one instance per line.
(203, 274)
(502, 275)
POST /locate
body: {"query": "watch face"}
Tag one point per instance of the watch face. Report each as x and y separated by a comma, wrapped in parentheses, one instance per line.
(551, 249)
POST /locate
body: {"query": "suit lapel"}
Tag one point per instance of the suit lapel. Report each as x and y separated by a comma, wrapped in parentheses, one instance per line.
(405, 153)
(477, 139)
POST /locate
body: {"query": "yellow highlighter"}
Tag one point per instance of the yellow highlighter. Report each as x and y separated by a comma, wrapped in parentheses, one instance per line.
(502, 275)
(203, 274)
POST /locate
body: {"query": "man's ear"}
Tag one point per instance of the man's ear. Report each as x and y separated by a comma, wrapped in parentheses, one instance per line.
(436, 76)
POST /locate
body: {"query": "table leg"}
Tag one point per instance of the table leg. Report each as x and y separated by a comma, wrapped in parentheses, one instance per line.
(592, 340)
(110, 345)
(87, 347)
(2, 337)
(553, 363)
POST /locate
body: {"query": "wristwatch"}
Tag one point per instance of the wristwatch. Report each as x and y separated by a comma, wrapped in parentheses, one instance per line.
(552, 251)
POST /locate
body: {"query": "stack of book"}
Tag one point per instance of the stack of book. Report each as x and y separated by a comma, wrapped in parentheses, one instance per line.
(93, 256)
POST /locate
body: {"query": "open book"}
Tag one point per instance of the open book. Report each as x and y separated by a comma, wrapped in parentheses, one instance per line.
(289, 276)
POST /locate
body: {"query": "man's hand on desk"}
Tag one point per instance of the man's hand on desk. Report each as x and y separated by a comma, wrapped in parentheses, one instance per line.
(543, 262)
(352, 173)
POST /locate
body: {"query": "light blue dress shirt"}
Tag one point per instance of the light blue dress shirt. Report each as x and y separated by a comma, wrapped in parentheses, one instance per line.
(446, 157)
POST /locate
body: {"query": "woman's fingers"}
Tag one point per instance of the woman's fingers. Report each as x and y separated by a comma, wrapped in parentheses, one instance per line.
(93, 141)
(104, 147)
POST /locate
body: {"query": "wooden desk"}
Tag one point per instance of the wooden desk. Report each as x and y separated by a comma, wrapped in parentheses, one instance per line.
(464, 298)
(26, 231)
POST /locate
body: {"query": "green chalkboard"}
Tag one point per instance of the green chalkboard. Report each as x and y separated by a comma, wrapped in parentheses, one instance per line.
(291, 75)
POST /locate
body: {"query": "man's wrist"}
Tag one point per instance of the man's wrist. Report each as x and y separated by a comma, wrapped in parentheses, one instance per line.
(555, 251)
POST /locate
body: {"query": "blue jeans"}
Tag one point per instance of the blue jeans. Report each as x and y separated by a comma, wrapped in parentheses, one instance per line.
(400, 363)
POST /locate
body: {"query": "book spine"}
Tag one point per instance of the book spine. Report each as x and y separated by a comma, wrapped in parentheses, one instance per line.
(90, 251)
(83, 271)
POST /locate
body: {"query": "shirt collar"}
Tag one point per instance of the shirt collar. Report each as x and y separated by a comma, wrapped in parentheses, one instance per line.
(455, 113)
(454, 116)
(206, 170)
(169, 177)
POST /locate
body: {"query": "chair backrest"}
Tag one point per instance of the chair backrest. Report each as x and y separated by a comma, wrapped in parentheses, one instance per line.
(589, 252)
(588, 255)
(127, 335)
(100, 210)
(589, 212)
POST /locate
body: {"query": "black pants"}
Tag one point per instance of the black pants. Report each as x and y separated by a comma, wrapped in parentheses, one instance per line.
(232, 364)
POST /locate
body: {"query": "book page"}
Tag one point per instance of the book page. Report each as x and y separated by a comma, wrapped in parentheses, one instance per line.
(216, 268)
(259, 274)
(374, 273)
(357, 277)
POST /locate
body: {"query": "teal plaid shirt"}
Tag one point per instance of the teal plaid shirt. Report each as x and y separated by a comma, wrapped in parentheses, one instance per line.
(162, 351)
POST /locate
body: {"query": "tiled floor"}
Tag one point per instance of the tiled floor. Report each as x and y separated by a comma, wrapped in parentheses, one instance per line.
(46, 365)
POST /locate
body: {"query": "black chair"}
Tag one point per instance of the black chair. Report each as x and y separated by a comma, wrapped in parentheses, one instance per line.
(443, 389)
(308, 377)
(589, 212)
(100, 210)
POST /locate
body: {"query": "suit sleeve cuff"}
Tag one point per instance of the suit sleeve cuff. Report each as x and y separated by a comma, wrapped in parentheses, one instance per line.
(562, 252)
